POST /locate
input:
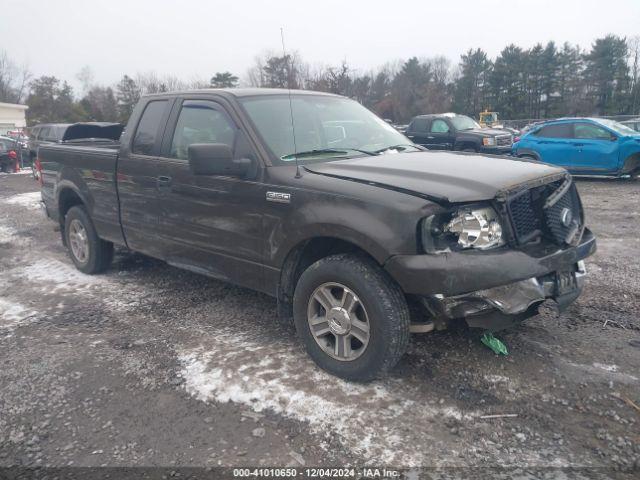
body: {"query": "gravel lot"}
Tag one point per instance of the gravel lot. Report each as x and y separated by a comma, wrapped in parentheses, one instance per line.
(148, 365)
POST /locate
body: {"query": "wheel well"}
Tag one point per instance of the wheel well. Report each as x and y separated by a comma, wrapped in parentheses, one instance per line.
(300, 258)
(68, 198)
(632, 164)
(466, 144)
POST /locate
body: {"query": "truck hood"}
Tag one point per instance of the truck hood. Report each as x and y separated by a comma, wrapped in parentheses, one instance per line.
(440, 176)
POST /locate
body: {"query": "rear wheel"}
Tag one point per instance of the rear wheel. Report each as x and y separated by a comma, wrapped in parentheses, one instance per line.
(352, 318)
(89, 253)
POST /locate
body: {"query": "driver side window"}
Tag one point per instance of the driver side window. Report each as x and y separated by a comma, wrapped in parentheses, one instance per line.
(200, 122)
(589, 131)
(439, 126)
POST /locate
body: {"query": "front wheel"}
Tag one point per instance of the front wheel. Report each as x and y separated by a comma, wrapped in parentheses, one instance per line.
(352, 318)
(89, 253)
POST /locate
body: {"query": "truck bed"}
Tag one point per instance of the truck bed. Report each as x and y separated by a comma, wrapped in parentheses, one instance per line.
(89, 168)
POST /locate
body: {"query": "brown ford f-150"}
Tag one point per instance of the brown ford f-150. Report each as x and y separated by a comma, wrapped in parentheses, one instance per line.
(312, 199)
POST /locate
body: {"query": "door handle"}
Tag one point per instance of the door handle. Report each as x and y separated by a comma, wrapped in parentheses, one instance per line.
(163, 182)
(578, 144)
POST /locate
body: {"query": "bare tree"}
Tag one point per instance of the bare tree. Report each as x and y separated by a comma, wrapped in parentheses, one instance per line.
(14, 80)
(634, 61)
(86, 78)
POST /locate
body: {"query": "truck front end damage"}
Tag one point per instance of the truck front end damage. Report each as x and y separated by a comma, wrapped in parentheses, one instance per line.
(500, 307)
(541, 261)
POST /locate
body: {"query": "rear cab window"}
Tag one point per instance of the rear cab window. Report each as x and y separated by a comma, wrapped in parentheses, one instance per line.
(439, 126)
(150, 128)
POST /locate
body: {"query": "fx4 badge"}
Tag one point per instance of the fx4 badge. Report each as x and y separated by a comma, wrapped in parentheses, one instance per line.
(278, 197)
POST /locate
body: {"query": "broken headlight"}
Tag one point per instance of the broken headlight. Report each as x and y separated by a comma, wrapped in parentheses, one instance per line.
(467, 227)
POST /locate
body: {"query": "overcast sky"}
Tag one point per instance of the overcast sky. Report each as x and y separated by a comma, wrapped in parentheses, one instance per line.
(195, 38)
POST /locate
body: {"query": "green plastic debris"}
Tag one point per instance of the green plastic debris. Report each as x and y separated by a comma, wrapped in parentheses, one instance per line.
(494, 344)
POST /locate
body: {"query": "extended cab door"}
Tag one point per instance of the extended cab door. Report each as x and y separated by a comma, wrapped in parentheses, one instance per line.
(210, 224)
(418, 131)
(138, 178)
(594, 148)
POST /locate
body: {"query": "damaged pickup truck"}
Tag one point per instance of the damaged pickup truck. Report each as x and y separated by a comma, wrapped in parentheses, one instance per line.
(312, 199)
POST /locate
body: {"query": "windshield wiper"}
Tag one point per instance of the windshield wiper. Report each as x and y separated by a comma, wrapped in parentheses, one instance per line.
(320, 151)
(402, 146)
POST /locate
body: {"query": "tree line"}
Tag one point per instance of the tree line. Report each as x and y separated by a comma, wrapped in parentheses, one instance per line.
(544, 81)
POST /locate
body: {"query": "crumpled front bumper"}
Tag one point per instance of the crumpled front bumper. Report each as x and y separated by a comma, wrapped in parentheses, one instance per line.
(499, 307)
(495, 289)
(456, 273)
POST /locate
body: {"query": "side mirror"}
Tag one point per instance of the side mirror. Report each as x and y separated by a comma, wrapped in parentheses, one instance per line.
(216, 159)
(614, 138)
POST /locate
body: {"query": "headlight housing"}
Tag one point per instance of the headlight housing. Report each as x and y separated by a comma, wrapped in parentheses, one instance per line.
(489, 141)
(476, 227)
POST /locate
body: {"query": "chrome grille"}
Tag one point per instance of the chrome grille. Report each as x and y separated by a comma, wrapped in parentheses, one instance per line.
(504, 140)
(564, 217)
(553, 211)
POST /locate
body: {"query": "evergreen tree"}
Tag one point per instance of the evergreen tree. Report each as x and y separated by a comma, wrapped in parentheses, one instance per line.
(471, 87)
(607, 75)
(224, 80)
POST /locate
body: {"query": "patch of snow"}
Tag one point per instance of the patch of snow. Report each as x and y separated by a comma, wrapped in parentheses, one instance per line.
(497, 379)
(56, 274)
(29, 200)
(13, 314)
(7, 234)
(608, 368)
(273, 377)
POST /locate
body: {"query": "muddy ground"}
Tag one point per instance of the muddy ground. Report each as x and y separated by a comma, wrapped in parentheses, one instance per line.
(148, 365)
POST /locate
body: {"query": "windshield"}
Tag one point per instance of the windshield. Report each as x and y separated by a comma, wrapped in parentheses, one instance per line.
(326, 127)
(617, 127)
(462, 122)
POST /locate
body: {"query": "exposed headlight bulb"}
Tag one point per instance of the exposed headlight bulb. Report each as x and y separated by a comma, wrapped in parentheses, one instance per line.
(478, 228)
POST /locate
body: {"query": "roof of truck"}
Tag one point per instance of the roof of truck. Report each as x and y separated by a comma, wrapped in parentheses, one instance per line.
(244, 92)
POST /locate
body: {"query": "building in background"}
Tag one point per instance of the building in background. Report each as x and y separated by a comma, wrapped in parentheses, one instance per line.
(12, 117)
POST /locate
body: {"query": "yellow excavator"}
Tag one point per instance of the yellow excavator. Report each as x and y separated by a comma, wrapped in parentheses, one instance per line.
(489, 119)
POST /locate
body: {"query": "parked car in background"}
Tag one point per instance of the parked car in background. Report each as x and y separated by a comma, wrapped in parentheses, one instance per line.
(633, 124)
(584, 146)
(45, 134)
(21, 137)
(450, 131)
(8, 154)
(341, 218)
(76, 133)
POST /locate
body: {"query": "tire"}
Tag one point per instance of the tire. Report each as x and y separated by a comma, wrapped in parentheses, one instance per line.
(379, 301)
(97, 253)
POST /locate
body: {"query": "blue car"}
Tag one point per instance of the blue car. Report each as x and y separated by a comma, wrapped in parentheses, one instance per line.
(584, 146)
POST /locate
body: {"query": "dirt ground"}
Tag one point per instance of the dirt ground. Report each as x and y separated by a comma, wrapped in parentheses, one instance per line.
(148, 365)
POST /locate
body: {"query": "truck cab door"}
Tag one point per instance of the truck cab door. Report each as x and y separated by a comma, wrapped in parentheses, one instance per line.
(211, 224)
(441, 135)
(137, 177)
(594, 149)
